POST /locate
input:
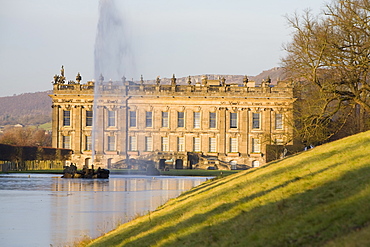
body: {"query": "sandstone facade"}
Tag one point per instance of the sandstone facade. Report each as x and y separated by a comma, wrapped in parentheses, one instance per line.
(208, 125)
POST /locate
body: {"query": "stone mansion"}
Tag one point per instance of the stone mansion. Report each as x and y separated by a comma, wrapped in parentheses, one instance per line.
(209, 124)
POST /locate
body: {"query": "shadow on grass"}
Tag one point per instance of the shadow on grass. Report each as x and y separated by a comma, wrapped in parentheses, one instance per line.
(308, 211)
(217, 229)
(262, 178)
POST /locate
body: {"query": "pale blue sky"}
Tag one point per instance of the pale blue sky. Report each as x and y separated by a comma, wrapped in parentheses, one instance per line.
(185, 37)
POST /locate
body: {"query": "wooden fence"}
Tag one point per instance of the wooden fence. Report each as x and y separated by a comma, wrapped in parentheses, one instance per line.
(23, 158)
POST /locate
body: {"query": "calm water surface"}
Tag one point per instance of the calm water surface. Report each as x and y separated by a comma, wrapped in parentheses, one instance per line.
(46, 210)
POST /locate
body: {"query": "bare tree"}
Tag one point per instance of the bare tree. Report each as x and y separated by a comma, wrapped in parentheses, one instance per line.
(25, 136)
(317, 117)
(330, 56)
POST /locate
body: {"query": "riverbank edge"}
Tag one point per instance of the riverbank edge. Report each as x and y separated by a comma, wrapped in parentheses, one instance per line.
(195, 173)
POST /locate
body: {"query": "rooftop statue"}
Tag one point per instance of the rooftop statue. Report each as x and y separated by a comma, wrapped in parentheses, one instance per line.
(245, 81)
(173, 80)
(62, 71)
(268, 79)
(204, 79)
(61, 79)
(101, 78)
(266, 82)
(78, 77)
(222, 80)
(56, 79)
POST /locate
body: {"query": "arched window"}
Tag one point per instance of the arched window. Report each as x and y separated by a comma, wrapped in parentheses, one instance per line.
(233, 165)
(87, 162)
(179, 164)
(109, 163)
(255, 163)
(162, 163)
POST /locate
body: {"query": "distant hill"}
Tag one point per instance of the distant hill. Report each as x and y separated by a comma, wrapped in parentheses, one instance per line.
(35, 108)
(275, 74)
(26, 109)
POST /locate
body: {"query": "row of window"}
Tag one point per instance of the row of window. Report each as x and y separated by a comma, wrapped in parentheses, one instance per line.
(89, 118)
(180, 119)
(212, 144)
(256, 119)
(111, 144)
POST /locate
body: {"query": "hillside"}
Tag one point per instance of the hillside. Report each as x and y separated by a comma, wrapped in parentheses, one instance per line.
(26, 109)
(319, 197)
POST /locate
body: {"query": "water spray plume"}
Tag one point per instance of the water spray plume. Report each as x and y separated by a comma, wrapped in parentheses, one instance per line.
(113, 60)
(113, 56)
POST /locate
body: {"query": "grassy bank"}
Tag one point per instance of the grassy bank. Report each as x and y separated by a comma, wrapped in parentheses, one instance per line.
(320, 197)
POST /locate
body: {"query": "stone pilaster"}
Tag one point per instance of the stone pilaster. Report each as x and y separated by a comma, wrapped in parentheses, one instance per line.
(222, 125)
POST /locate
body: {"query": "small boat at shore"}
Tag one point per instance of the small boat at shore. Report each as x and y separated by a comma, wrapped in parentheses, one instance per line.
(72, 172)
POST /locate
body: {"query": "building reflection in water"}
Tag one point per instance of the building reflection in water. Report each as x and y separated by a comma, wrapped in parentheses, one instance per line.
(92, 207)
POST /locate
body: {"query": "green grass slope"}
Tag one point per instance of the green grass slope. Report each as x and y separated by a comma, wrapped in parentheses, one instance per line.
(317, 198)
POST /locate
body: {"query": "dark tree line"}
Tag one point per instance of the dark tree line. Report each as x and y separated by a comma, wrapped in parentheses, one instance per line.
(25, 153)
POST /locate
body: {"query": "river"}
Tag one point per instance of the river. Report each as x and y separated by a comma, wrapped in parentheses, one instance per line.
(46, 210)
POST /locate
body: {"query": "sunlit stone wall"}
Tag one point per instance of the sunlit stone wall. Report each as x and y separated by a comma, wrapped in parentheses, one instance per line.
(194, 125)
